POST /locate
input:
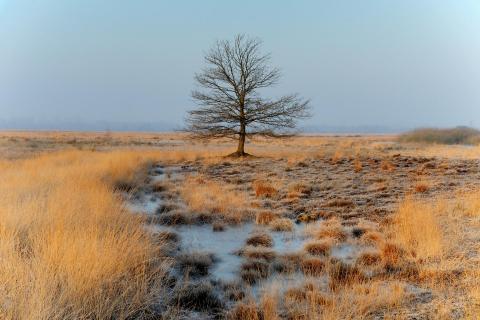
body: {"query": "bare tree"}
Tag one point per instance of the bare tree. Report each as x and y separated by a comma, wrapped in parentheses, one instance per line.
(230, 105)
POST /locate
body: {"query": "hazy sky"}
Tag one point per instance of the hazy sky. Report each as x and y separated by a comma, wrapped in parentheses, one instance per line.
(391, 63)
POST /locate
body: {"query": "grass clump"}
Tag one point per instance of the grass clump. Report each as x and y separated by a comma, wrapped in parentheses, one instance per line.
(244, 311)
(197, 296)
(218, 226)
(312, 266)
(342, 273)
(417, 229)
(218, 200)
(281, 224)
(264, 189)
(260, 240)
(265, 217)
(195, 263)
(254, 270)
(318, 247)
(259, 253)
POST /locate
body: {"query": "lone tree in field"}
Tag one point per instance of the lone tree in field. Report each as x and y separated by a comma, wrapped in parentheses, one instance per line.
(229, 102)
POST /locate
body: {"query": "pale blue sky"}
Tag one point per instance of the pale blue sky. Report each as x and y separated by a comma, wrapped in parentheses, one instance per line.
(398, 63)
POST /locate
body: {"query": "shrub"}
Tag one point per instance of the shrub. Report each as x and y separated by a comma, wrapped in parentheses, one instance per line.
(458, 135)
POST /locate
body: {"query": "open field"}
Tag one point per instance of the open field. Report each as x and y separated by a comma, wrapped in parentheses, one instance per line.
(154, 226)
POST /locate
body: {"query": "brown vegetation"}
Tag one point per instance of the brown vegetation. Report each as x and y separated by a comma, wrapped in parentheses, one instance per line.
(69, 246)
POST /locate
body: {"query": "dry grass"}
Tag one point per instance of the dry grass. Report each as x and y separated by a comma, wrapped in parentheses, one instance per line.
(318, 247)
(269, 305)
(369, 258)
(264, 189)
(313, 266)
(260, 240)
(356, 301)
(218, 200)
(337, 156)
(331, 229)
(357, 165)
(265, 217)
(387, 165)
(469, 204)
(416, 228)
(195, 263)
(69, 249)
(281, 224)
(422, 187)
(364, 300)
(264, 253)
(244, 311)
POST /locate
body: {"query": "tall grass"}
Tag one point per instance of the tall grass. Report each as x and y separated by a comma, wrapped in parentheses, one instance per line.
(417, 228)
(69, 249)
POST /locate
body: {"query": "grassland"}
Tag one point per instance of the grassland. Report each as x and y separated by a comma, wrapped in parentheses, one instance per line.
(73, 249)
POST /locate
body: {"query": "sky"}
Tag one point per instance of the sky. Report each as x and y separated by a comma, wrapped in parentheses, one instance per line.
(386, 64)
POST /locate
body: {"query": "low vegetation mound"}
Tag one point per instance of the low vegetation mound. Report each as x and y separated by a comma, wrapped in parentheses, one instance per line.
(458, 135)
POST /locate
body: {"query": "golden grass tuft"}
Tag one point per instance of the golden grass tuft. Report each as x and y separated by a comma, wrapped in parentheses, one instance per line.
(387, 165)
(312, 266)
(369, 258)
(220, 200)
(282, 224)
(259, 253)
(269, 305)
(244, 311)
(372, 237)
(469, 203)
(337, 157)
(361, 300)
(357, 165)
(416, 228)
(318, 247)
(260, 240)
(264, 189)
(392, 255)
(265, 217)
(332, 229)
(421, 187)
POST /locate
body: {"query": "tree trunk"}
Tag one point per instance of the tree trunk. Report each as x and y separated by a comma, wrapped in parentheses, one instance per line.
(241, 144)
(243, 132)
